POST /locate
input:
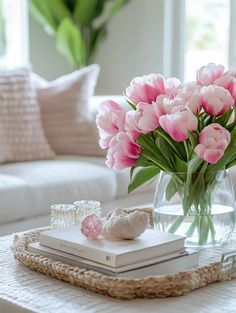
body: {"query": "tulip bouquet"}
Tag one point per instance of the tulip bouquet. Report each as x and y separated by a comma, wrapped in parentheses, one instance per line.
(177, 128)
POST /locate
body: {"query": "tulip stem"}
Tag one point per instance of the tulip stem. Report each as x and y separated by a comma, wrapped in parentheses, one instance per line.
(186, 149)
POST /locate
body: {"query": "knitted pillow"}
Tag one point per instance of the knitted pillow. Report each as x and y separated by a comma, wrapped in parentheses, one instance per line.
(21, 134)
(67, 119)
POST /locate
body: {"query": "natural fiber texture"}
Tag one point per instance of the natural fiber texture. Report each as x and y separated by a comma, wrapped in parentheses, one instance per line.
(149, 287)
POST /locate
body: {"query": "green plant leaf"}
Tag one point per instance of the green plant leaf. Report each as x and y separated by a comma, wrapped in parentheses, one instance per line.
(85, 11)
(160, 162)
(116, 6)
(193, 138)
(224, 119)
(130, 103)
(141, 162)
(41, 10)
(180, 165)
(70, 43)
(176, 146)
(171, 189)
(233, 135)
(231, 163)
(194, 164)
(151, 152)
(166, 149)
(143, 175)
(100, 6)
(58, 9)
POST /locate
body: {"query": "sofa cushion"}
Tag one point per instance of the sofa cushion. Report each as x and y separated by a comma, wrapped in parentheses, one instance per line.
(122, 177)
(28, 189)
(14, 200)
(66, 116)
(22, 136)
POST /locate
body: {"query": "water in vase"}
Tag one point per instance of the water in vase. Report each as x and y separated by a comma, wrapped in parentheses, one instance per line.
(202, 229)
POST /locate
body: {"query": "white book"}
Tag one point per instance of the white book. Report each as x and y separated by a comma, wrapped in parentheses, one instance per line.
(167, 264)
(151, 244)
(77, 261)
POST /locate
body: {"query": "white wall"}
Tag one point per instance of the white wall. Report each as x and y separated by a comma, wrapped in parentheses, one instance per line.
(133, 47)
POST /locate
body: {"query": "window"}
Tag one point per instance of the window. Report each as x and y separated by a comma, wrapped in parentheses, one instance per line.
(13, 33)
(207, 27)
(197, 32)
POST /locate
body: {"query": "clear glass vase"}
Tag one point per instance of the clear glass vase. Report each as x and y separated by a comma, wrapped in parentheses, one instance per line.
(202, 209)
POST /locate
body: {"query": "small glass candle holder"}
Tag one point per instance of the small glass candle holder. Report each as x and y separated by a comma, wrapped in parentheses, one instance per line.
(85, 208)
(63, 215)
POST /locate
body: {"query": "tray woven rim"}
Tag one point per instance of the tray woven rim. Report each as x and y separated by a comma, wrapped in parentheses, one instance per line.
(161, 286)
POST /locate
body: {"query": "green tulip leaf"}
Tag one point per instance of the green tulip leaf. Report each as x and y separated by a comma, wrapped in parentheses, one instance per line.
(171, 189)
(142, 175)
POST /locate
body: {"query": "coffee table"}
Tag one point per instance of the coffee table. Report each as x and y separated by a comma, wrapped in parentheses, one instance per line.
(23, 290)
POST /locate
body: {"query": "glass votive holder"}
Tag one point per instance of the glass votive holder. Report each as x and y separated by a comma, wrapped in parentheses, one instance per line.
(85, 208)
(63, 215)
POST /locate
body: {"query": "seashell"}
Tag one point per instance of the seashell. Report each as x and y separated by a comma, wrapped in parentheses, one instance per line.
(125, 225)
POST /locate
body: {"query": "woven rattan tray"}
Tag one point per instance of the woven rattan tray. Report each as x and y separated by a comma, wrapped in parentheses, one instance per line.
(211, 270)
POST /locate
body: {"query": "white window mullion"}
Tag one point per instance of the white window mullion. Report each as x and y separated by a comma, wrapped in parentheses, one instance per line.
(232, 34)
(174, 38)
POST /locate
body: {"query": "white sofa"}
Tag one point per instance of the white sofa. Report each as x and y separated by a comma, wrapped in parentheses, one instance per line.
(28, 189)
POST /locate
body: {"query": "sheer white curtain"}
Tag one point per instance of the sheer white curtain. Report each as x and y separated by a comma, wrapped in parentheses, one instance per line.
(14, 33)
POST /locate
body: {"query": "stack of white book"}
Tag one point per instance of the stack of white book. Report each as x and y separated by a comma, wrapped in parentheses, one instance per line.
(153, 253)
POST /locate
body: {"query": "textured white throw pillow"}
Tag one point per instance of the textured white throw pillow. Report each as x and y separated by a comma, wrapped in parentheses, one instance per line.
(67, 119)
(21, 134)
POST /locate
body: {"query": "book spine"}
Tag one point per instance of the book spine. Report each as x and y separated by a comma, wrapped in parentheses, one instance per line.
(78, 250)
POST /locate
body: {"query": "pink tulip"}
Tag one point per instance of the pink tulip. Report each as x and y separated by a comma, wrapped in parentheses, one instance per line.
(179, 122)
(110, 120)
(190, 93)
(164, 104)
(171, 86)
(216, 100)
(123, 152)
(207, 75)
(228, 82)
(142, 120)
(146, 88)
(213, 140)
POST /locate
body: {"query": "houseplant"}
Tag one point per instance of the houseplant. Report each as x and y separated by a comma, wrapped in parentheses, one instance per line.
(186, 131)
(78, 26)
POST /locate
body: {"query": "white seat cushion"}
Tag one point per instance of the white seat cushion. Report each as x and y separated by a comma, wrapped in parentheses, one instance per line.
(28, 189)
(122, 177)
(13, 198)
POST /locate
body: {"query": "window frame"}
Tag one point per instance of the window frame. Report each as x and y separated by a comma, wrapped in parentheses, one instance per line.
(174, 38)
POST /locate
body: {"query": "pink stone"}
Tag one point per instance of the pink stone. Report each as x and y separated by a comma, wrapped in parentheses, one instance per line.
(91, 226)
